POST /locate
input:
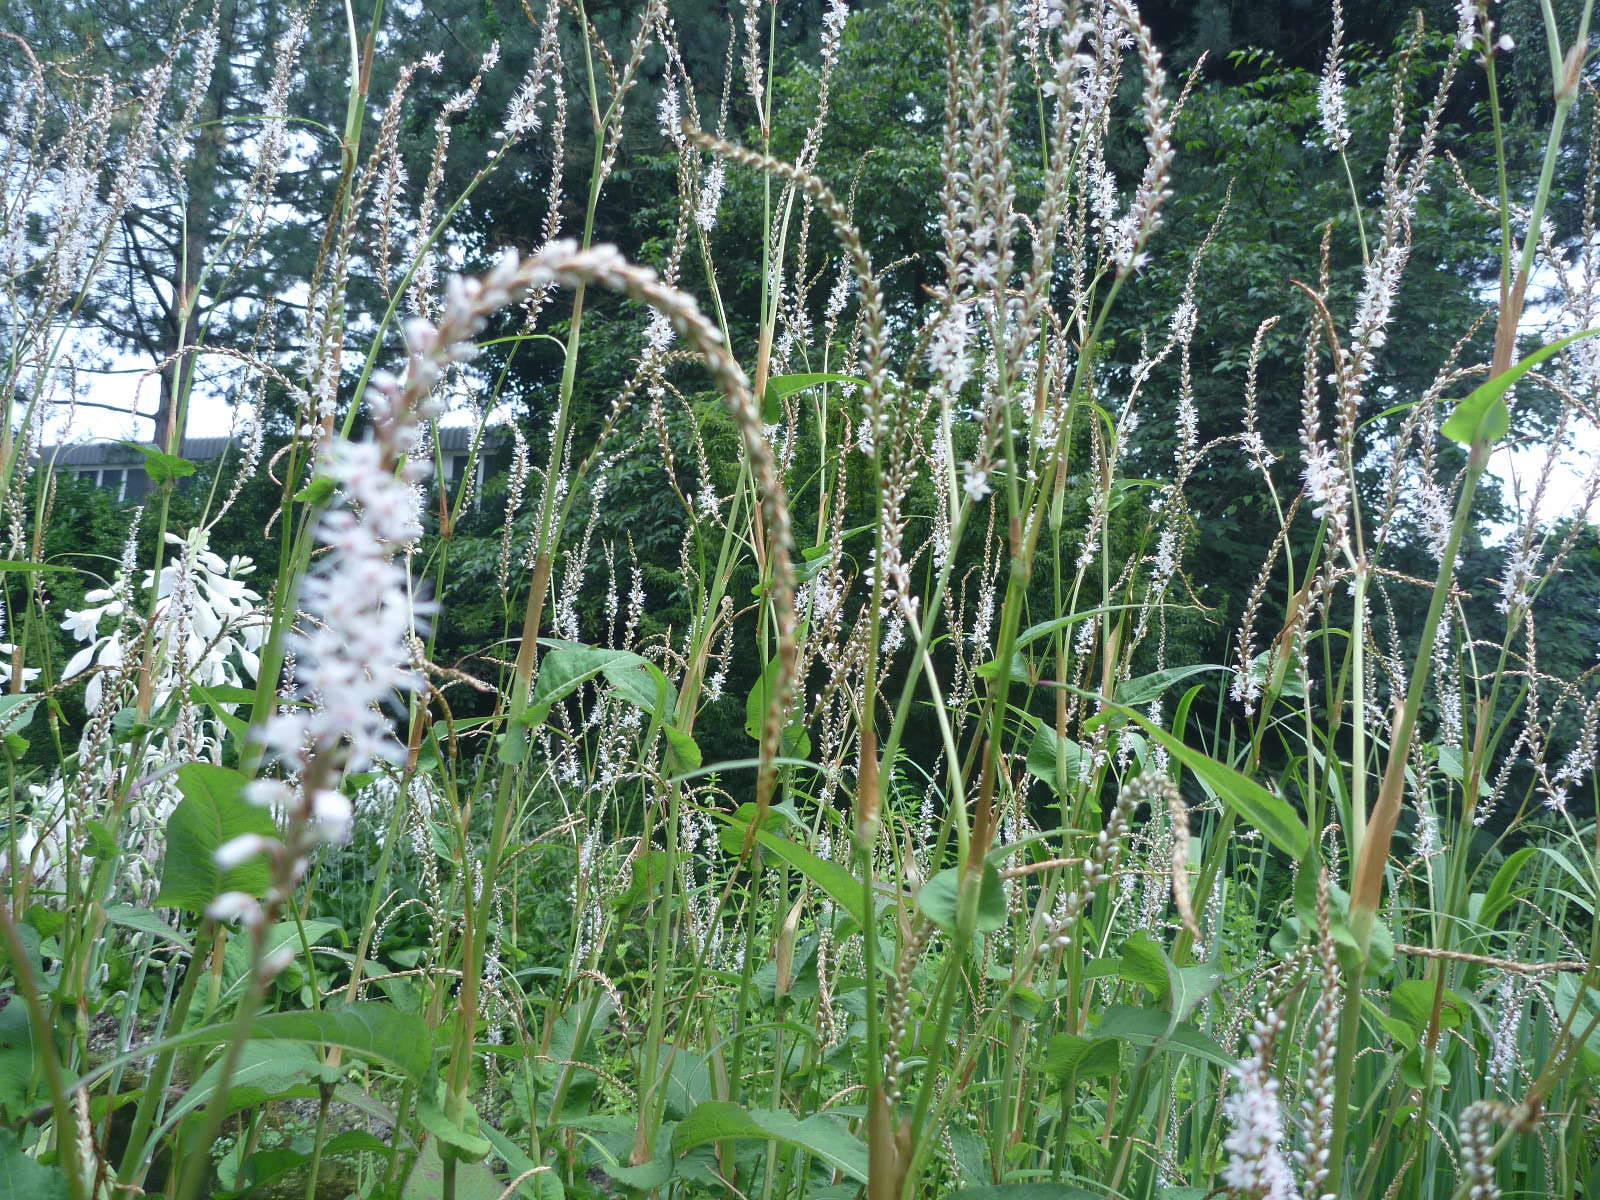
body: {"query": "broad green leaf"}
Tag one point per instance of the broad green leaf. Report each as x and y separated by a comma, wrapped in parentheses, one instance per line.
(1053, 759)
(264, 1072)
(971, 1153)
(222, 693)
(1177, 989)
(940, 899)
(473, 1181)
(1270, 814)
(565, 668)
(1451, 765)
(1411, 1071)
(795, 740)
(23, 1177)
(468, 1143)
(1083, 1057)
(1380, 949)
(1411, 1001)
(236, 961)
(1483, 415)
(1145, 963)
(683, 753)
(16, 712)
(1579, 1006)
(316, 493)
(161, 466)
(822, 1137)
(213, 811)
(23, 568)
(645, 1177)
(1190, 986)
(16, 1058)
(370, 1029)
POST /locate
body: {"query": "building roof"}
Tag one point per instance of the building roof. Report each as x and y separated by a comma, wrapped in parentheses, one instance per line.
(453, 439)
(120, 454)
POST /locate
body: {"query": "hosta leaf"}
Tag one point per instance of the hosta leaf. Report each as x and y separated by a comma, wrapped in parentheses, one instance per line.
(213, 811)
(21, 1176)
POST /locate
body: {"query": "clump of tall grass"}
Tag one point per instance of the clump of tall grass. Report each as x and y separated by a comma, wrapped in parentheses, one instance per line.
(1076, 944)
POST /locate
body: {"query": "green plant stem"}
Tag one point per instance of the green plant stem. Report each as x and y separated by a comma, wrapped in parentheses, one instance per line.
(133, 1167)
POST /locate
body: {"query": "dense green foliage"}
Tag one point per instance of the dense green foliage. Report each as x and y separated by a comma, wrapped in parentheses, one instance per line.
(1005, 648)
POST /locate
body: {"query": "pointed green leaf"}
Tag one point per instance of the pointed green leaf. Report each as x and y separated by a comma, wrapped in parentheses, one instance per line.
(160, 466)
(142, 920)
(782, 386)
(1271, 814)
(1149, 687)
(1483, 416)
(843, 888)
(825, 1138)
(1148, 1027)
(1498, 897)
(1083, 1057)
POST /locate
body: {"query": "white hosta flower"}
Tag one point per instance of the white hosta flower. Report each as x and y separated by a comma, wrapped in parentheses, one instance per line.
(209, 624)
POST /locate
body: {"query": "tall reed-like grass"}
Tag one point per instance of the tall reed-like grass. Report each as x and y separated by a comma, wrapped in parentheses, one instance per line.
(986, 907)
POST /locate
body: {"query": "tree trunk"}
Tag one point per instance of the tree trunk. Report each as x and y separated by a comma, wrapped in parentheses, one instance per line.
(202, 174)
